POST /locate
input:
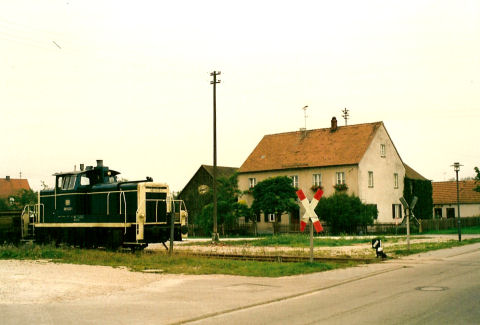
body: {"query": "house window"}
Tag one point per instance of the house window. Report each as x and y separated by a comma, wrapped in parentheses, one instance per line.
(271, 217)
(395, 180)
(340, 178)
(294, 181)
(252, 182)
(370, 179)
(382, 150)
(317, 180)
(438, 212)
(450, 212)
(396, 211)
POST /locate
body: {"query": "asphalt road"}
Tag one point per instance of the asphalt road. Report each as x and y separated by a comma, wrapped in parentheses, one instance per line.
(441, 287)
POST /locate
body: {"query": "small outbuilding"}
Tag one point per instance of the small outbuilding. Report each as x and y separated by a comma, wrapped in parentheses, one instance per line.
(445, 199)
(196, 193)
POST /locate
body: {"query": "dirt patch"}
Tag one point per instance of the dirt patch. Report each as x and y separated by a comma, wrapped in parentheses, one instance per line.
(26, 282)
(356, 251)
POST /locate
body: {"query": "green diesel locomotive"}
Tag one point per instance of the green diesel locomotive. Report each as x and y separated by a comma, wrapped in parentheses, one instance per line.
(92, 208)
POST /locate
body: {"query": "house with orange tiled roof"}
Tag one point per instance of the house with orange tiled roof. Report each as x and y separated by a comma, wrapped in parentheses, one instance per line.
(360, 159)
(445, 199)
(10, 187)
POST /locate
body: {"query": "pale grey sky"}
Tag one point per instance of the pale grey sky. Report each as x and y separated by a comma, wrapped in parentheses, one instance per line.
(128, 81)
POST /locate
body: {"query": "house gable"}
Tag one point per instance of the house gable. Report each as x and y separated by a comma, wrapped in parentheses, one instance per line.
(381, 175)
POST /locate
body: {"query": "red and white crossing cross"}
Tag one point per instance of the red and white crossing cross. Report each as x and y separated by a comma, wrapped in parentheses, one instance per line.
(310, 210)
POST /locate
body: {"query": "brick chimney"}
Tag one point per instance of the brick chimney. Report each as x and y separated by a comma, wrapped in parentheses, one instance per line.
(333, 127)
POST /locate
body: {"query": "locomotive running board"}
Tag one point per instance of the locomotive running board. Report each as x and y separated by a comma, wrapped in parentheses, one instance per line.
(83, 225)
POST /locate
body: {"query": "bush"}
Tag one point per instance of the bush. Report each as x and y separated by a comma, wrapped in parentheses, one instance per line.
(344, 214)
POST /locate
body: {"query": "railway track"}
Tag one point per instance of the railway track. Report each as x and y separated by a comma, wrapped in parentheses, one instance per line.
(280, 258)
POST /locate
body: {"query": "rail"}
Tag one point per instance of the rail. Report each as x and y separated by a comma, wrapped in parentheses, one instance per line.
(280, 258)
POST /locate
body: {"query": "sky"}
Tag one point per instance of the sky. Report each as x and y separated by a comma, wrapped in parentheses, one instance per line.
(129, 81)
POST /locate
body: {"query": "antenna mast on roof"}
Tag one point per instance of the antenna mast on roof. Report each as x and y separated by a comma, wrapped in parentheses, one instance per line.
(345, 115)
(305, 116)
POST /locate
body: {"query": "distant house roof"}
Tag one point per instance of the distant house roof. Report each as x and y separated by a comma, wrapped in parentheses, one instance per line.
(221, 171)
(313, 148)
(446, 192)
(412, 174)
(11, 186)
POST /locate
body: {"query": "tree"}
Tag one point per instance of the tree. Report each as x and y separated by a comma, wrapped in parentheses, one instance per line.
(344, 214)
(477, 179)
(229, 209)
(274, 195)
(24, 197)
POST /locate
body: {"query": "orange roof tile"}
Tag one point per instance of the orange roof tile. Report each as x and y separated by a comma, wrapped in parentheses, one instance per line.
(446, 192)
(318, 148)
(12, 186)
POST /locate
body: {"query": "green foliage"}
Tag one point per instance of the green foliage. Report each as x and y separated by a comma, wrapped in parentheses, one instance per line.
(477, 179)
(344, 214)
(228, 207)
(423, 190)
(4, 205)
(274, 195)
(24, 197)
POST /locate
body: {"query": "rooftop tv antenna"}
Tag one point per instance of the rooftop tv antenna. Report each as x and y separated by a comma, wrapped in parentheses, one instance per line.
(304, 129)
(305, 115)
(345, 115)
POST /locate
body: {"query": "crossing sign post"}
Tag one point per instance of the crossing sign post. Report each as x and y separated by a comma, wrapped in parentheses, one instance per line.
(409, 212)
(310, 216)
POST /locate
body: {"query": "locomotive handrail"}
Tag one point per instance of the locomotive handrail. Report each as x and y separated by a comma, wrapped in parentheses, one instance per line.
(156, 205)
(122, 193)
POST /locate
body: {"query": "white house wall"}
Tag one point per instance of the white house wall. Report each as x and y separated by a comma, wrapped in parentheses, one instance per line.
(466, 210)
(383, 193)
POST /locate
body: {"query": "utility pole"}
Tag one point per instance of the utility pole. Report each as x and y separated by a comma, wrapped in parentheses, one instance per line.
(456, 167)
(214, 82)
(345, 115)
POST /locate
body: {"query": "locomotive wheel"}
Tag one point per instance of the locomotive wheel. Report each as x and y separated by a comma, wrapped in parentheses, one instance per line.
(114, 239)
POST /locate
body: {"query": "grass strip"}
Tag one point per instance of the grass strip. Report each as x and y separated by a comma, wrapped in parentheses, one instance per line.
(162, 263)
(452, 231)
(416, 248)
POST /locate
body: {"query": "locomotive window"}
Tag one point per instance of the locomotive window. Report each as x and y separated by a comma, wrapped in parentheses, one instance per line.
(67, 182)
(84, 180)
